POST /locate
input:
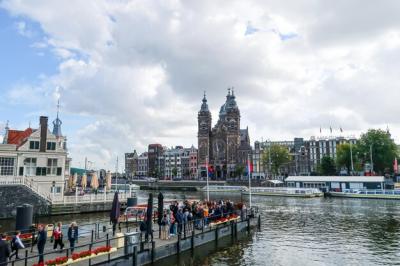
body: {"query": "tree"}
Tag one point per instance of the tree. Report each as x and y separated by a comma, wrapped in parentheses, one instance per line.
(343, 157)
(279, 157)
(239, 170)
(174, 172)
(327, 166)
(377, 144)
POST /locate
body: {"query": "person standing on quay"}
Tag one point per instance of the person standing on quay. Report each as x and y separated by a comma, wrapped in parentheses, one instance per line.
(72, 235)
(41, 242)
(4, 250)
(58, 237)
(16, 244)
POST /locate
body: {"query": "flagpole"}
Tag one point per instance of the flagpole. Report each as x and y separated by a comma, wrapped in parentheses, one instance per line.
(248, 172)
(208, 190)
(351, 157)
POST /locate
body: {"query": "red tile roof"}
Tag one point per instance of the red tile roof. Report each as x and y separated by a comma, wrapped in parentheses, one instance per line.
(17, 137)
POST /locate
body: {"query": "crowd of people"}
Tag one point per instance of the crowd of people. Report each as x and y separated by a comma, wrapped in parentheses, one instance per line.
(9, 249)
(183, 218)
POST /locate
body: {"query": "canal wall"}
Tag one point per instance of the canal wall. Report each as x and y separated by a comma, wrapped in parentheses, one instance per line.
(190, 243)
(12, 196)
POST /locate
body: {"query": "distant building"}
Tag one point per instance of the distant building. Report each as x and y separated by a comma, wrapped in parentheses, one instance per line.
(317, 148)
(305, 155)
(180, 163)
(155, 163)
(36, 154)
(143, 165)
(131, 163)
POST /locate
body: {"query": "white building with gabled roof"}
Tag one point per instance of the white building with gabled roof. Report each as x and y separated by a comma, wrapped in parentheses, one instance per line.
(36, 155)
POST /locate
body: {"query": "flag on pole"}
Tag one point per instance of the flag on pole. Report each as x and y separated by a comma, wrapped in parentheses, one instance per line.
(395, 166)
(341, 129)
(320, 129)
(330, 129)
(249, 167)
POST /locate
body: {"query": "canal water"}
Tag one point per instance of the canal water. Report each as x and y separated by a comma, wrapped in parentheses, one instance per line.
(296, 231)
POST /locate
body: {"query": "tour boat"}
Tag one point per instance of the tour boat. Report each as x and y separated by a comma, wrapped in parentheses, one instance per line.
(367, 194)
(285, 192)
(215, 188)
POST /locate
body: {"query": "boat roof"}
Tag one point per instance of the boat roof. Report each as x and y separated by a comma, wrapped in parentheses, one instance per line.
(275, 181)
(364, 179)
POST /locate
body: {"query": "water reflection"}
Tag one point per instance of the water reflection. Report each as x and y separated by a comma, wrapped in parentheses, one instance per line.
(295, 231)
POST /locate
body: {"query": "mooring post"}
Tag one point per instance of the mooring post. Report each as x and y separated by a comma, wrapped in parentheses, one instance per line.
(259, 222)
(26, 257)
(153, 251)
(178, 244)
(134, 257)
(192, 240)
(216, 236)
(248, 225)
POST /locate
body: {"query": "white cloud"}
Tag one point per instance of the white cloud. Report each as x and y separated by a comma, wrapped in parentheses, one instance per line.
(139, 68)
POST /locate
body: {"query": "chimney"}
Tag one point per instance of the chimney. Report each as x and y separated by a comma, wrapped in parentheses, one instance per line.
(43, 133)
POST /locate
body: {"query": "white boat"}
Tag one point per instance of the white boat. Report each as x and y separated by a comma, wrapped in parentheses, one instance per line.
(367, 194)
(285, 192)
(215, 188)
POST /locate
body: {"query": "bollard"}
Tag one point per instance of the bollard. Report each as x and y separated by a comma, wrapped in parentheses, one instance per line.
(134, 256)
(216, 236)
(153, 251)
(192, 241)
(259, 222)
(178, 244)
(26, 257)
(92, 236)
(248, 225)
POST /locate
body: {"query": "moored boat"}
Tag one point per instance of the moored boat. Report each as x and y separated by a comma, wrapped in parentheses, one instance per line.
(285, 192)
(367, 194)
(215, 188)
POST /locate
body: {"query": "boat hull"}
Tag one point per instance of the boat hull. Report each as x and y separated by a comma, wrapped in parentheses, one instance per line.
(364, 196)
(314, 195)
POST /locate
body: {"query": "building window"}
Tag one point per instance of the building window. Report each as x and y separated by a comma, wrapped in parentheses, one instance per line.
(41, 171)
(57, 190)
(34, 145)
(30, 166)
(7, 166)
(51, 146)
(51, 166)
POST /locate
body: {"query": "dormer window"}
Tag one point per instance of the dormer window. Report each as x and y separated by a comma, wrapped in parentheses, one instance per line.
(34, 145)
(51, 146)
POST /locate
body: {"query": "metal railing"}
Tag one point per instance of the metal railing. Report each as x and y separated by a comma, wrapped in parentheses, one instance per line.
(184, 231)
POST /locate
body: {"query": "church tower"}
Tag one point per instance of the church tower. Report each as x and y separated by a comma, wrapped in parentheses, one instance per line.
(203, 135)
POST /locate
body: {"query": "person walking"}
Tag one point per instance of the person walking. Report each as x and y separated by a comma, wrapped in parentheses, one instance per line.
(165, 227)
(172, 228)
(41, 242)
(4, 250)
(72, 235)
(16, 245)
(58, 237)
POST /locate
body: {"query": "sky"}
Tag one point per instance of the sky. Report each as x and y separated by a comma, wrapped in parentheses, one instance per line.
(130, 73)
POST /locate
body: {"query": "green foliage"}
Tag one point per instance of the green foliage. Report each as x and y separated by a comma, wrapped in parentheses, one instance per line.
(327, 166)
(383, 148)
(343, 157)
(279, 157)
(239, 170)
(174, 172)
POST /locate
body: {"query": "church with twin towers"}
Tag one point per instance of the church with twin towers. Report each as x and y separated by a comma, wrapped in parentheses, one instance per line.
(224, 146)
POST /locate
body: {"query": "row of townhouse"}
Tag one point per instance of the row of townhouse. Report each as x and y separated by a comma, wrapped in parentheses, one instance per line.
(162, 162)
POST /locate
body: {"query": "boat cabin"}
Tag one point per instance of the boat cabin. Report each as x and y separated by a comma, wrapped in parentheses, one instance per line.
(336, 183)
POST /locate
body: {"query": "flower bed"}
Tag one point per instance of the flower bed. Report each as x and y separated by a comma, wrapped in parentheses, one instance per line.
(232, 217)
(76, 257)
